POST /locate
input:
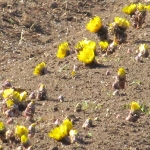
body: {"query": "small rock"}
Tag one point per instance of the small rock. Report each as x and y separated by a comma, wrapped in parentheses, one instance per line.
(54, 5)
(107, 72)
(87, 123)
(116, 92)
(78, 108)
(55, 108)
(61, 98)
(129, 51)
(55, 148)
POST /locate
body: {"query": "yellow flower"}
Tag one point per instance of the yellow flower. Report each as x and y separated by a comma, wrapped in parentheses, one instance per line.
(59, 133)
(11, 94)
(86, 55)
(135, 107)
(9, 103)
(21, 130)
(40, 69)
(23, 95)
(62, 50)
(68, 124)
(130, 9)
(103, 45)
(94, 25)
(2, 127)
(143, 48)
(141, 7)
(86, 43)
(24, 139)
(121, 73)
(122, 22)
(148, 7)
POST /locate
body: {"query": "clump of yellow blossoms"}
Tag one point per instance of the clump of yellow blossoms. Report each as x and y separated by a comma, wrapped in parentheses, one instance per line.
(87, 55)
(84, 44)
(118, 28)
(94, 25)
(141, 7)
(11, 94)
(137, 13)
(63, 130)
(130, 9)
(135, 107)
(21, 130)
(122, 22)
(107, 48)
(40, 69)
(62, 50)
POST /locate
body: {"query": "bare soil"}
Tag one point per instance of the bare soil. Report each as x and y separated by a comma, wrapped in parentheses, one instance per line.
(30, 33)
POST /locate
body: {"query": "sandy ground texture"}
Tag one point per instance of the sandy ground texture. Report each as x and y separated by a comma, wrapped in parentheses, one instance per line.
(30, 33)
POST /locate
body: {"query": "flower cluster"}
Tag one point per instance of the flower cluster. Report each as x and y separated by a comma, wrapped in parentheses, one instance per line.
(137, 14)
(59, 133)
(21, 134)
(122, 23)
(86, 51)
(118, 28)
(85, 44)
(106, 47)
(15, 101)
(130, 10)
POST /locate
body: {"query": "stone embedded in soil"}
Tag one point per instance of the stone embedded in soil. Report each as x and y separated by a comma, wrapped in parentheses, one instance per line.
(78, 108)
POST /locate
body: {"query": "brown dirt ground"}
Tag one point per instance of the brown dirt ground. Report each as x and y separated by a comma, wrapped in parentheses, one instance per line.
(44, 26)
